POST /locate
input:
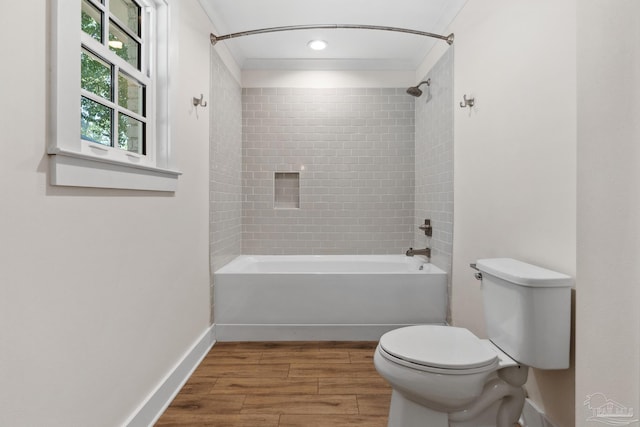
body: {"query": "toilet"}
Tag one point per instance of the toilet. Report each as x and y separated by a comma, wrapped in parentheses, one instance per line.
(445, 376)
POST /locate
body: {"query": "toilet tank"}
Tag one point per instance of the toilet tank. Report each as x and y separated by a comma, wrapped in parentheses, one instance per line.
(527, 311)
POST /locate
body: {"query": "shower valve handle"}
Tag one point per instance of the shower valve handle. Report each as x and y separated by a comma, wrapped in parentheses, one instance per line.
(426, 227)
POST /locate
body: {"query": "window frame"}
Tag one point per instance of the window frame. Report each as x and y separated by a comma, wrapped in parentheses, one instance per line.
(77, 162)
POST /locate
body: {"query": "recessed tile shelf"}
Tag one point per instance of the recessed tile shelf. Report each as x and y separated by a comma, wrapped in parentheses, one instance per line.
(286, 194)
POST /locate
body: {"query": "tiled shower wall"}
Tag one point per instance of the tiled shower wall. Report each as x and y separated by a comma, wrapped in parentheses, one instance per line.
(354, 151)
(434, 162)
(225, 159)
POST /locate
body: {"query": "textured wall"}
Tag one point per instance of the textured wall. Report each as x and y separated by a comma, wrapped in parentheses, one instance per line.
(434, 162)
(354, 149)
(112, 283)
(225, 161)
(608, 272)
(515, 157)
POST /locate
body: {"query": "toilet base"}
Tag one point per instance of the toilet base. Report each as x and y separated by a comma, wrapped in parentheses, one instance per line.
(486, 419)
(406, 413)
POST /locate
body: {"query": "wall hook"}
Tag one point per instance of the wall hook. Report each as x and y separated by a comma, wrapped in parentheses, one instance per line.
(199, 101)
(467, 102)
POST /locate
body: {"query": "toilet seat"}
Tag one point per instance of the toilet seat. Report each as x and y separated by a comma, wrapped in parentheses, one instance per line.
(438, 349)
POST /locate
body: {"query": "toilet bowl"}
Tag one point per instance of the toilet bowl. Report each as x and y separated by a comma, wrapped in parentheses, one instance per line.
(445, 376)
(439, 373)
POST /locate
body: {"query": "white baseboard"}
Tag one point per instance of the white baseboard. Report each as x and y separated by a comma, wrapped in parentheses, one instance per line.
(158, 401)
(278, 332)
(533, 416)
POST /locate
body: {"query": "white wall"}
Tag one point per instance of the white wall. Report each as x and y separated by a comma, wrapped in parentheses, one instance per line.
(515, 155)
(326, 79)
(608, 319)
(101, 291)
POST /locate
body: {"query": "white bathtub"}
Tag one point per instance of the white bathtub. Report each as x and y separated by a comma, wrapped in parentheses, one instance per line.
(326, 297)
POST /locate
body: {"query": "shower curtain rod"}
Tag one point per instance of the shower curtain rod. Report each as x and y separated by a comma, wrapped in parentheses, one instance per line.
(215, 39)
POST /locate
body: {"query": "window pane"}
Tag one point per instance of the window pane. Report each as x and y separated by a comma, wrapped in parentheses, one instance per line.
(131, 134)
(91, 21)
(123, 45)
(95, 121)
(131, 94)
(128, 12)
(96, 75)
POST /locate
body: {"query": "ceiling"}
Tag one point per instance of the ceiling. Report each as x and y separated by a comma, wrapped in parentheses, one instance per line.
(348, 48)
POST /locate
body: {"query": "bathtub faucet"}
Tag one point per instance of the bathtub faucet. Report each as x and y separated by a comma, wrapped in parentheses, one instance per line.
(426, 252)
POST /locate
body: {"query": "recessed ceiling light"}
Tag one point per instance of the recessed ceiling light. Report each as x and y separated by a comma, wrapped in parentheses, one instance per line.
(317, 44)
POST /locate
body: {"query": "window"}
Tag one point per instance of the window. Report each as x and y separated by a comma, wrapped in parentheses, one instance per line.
(109, 95)
(114, 99)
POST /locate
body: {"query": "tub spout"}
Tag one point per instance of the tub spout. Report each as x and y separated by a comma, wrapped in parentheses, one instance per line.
(426, 252)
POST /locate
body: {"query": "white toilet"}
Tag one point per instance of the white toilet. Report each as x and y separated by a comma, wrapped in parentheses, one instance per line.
(446, 376)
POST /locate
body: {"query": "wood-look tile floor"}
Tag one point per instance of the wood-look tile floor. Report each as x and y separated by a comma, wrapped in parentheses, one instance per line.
(288, 384)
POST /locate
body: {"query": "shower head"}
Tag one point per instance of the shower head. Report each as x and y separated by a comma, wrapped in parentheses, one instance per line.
(415, 90)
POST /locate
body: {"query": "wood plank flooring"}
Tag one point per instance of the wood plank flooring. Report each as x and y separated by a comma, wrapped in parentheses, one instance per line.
(288, 384)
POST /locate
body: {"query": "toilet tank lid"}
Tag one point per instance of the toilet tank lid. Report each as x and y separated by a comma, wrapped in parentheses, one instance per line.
(523, 274)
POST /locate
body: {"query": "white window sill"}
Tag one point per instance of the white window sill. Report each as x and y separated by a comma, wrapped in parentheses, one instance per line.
(69, 168)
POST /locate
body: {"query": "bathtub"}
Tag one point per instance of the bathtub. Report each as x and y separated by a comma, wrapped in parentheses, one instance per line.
(326, 297)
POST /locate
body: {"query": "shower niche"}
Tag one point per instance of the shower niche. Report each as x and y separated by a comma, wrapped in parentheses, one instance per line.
(286, 192)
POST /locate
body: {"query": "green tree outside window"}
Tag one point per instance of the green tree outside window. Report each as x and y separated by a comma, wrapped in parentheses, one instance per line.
(97, 77)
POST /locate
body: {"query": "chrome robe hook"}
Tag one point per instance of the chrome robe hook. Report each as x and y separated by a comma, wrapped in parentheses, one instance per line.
(199, 101)
(467, 102)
